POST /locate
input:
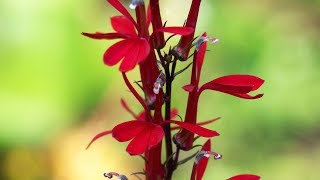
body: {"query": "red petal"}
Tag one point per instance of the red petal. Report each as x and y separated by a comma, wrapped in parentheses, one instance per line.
(156, 135)
(245, 177)
(126, 107)
(104, 133)
(117, 51)
(116, 4)
(236, 85)
(240, 81)
(183, 31)
(128, 130)
(123, 25)
(139, 144)
(200, 57)
(245, 96)
(138, 52)
(195, 128)
(188, 88)
(99, 35)
(201, 167)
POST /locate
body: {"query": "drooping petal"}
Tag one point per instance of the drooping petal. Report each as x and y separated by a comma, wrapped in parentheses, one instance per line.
(245, 96)
(104, 133)
(236, 85)
(183, 31)
(202, 165)
(245, 177)
(99, 35)
(138, 52)
(156, 135)
(123, 25)
(116, 4)
(139, 143)
(117, 51)
(195, 128)
(128, 130)
(239, 80)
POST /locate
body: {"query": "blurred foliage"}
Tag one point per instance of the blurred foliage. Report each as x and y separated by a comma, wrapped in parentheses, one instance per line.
(56, 93)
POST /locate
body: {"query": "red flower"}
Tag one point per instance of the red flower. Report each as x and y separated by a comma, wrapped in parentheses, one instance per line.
(201, 161)
(145, 135)
(236, 85)
(133, 49)
(245, 177)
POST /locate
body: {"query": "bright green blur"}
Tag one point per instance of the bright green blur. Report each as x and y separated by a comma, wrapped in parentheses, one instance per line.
(55, 89)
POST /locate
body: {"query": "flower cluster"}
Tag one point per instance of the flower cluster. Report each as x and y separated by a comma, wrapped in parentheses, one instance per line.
(140, 46)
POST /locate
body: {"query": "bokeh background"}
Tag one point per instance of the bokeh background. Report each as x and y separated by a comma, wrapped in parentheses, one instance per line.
(56, 94)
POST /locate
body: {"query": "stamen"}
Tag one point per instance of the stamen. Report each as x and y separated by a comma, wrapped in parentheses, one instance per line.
(159, 83)
(111, 174)
(205, 39)
(206, 154)
(134, 4)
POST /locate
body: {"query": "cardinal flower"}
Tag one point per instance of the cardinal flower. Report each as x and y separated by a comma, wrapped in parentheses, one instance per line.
(202, 159)
(201, 162)
(145, 135)
(133, 49)
(236, 85)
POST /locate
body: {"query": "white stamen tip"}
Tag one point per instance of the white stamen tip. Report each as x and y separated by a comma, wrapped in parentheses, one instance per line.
(159, 83)
(217, 156)
(215, 41)
(134, 4)
(205, 39)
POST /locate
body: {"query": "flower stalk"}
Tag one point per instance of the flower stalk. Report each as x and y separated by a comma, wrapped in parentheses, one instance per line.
(148, 129)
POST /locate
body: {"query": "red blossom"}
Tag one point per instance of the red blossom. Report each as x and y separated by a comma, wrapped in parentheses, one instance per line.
(199, 169)
(133, 49)
(145, 135)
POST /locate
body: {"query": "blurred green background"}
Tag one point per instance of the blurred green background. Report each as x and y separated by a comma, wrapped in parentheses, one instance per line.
(56, 94)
